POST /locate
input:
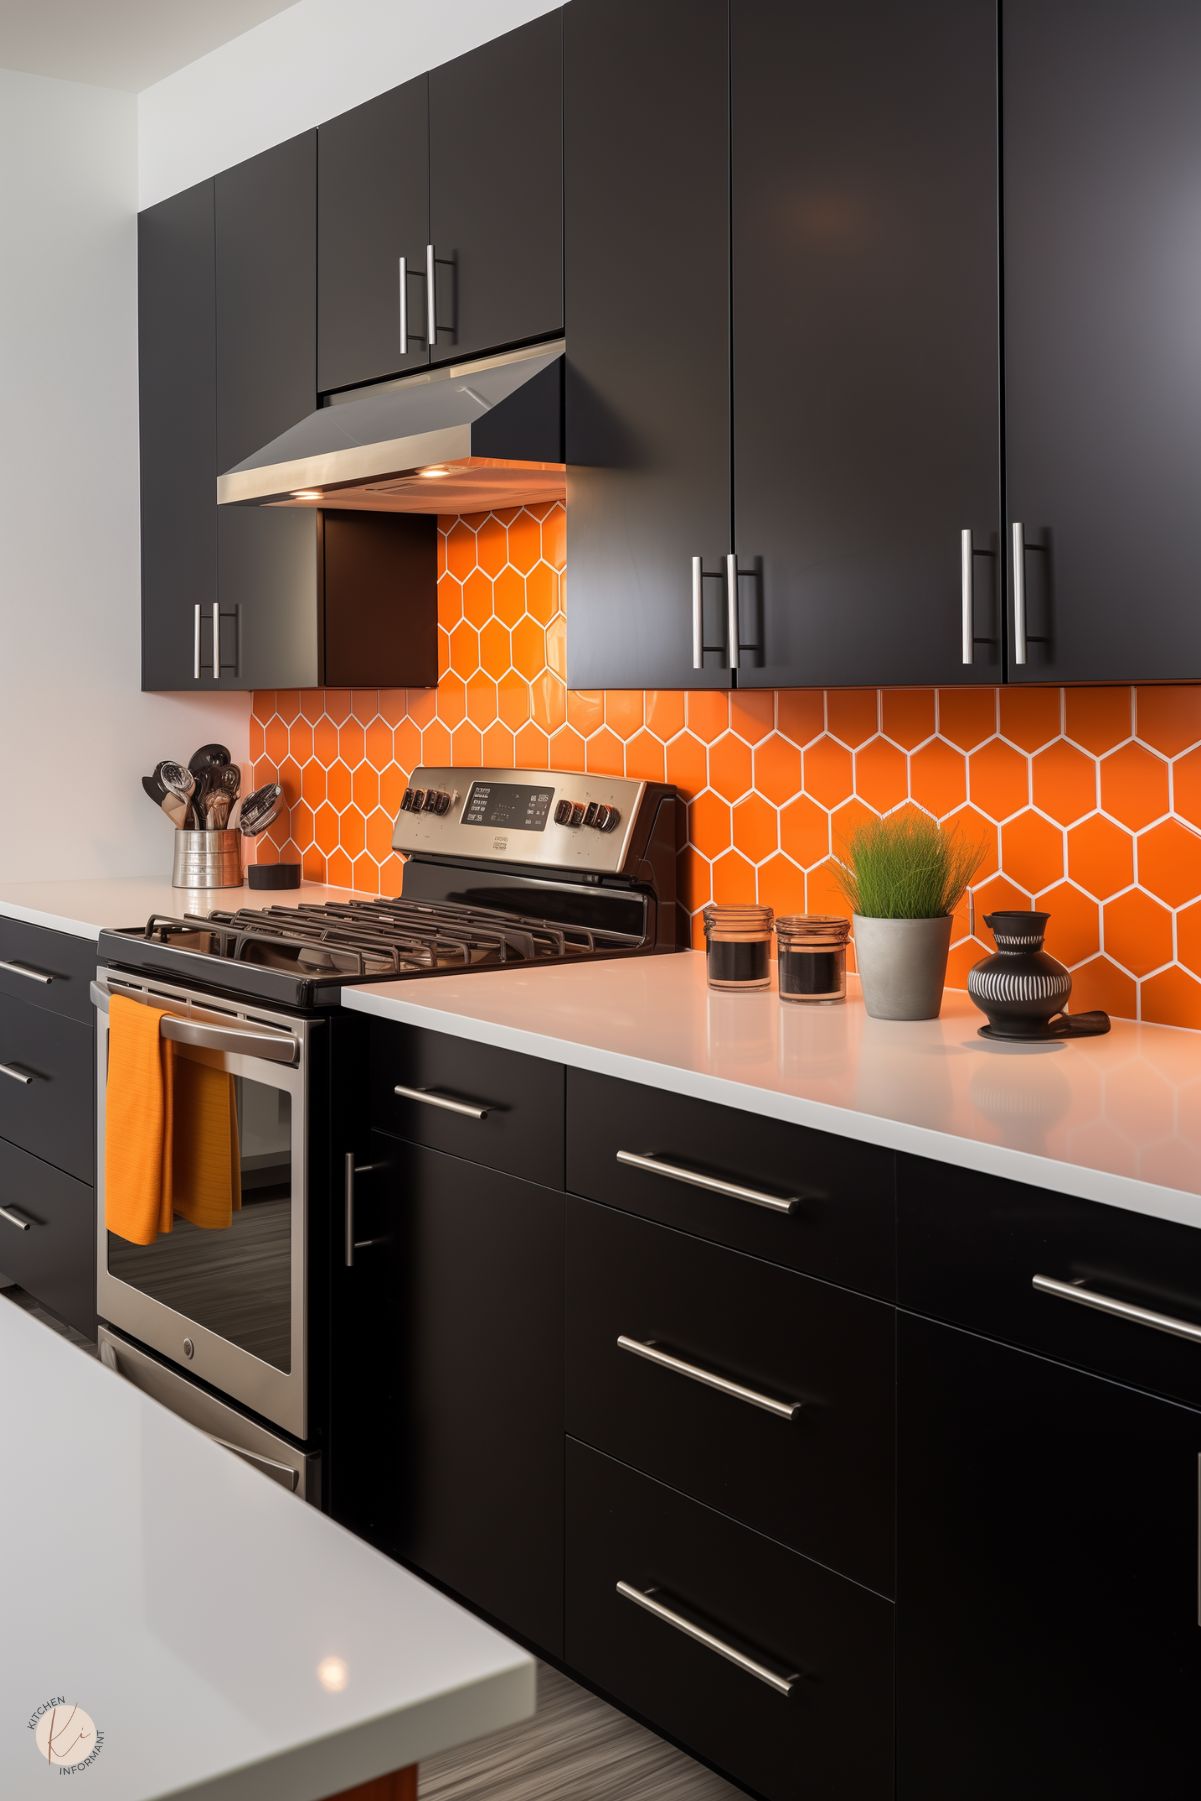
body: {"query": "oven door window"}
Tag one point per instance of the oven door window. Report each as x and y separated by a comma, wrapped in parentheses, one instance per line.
(235, 1278)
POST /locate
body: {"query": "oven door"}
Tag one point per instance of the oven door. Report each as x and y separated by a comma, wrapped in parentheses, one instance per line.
(227, 1304)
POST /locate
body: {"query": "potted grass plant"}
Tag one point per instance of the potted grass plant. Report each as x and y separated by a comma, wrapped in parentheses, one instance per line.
(904, 876)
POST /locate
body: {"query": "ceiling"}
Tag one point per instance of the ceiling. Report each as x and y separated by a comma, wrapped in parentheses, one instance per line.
(127, 44)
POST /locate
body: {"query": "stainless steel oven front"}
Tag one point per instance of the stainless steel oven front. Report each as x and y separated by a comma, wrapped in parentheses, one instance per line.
(227, 1305)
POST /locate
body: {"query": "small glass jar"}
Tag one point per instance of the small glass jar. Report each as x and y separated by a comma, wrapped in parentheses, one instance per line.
(739, 946)
(811, 963)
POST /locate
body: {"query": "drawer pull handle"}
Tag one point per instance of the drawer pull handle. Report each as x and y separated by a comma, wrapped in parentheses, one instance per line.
(467, 1109)
(734, 1191)
(639, 1347)
(16, 1075)
(31, 975)
(14, 1219)
(1107, 1303)
(647, 1598)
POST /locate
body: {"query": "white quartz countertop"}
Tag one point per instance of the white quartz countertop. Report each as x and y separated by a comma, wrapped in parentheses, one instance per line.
(228, 1642)
(1115, 1119)
(85, 909)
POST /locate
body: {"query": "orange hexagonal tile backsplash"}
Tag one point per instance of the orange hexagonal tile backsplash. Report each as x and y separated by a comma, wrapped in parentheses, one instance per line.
(1087, 801)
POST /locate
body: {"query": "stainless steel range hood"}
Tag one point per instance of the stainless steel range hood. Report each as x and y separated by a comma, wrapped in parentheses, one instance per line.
(463, 439)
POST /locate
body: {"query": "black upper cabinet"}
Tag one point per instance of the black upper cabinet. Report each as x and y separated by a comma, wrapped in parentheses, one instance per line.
(461, 170)
(1047, 1639)
(496, 191)
(864, 256)
(228, 333)
(266, 301)
(374, 213)
(177, 352)
(646, 176)
(1102, 160)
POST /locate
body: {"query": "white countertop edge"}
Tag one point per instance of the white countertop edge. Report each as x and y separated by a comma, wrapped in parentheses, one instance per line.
(61, 922)
(359, 1754)
(1075, 1179)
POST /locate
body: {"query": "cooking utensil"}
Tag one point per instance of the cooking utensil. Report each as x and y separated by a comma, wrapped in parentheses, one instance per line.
(167, 802)
(209, 756)
(259, 809)
(177, 779)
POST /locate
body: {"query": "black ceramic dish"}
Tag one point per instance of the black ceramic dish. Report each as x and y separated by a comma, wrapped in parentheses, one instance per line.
(1066, 1025)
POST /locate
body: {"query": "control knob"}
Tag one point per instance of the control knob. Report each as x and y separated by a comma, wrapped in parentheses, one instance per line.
(436, 801)
(607, 818)
(563, 813)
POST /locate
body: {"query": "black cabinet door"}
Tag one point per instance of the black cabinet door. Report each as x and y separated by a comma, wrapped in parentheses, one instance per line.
(1047, 1632)
(177, 388)
(1102, 160)
(266, 309)
(866, 432)
(647, 315)
(373, 212)
(496, 191)
(448, 1425)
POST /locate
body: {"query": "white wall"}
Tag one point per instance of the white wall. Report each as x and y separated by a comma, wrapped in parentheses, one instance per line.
(75, 732)
(315, 60)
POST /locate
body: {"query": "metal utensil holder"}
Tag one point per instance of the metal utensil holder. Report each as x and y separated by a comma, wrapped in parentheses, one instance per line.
(207, 860)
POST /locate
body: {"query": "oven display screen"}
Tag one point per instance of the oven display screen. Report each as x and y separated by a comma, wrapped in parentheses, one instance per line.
(507, 805)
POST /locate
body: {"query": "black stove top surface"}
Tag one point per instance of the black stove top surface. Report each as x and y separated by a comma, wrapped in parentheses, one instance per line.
(303, 955)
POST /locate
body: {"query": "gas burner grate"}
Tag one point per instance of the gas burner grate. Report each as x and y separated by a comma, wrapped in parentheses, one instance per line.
(380, 937)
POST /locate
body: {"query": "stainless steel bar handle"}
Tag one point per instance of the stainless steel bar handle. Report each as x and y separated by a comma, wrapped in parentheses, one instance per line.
(647, 1598)
(732, 610)
(1019, 592)
(14, 1219)
(23, 969)
(1107, 1303)
(737, 1391)
(403, 277)
(354, 1244)
(698, 614)
(216, 639)
(289, 1477)
(196, 647)
(467, 1109)
(965, 588)
(215, 1036)
(431, 319)
(734, 1191)
(15, 1075)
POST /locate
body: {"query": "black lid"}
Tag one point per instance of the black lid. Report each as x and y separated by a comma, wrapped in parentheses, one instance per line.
(273, 875)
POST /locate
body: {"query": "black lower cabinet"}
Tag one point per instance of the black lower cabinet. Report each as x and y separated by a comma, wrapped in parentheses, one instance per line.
(1047, 1610)
(812, 1717)
(48, 1236)
(449, 1445)
(758, 1391)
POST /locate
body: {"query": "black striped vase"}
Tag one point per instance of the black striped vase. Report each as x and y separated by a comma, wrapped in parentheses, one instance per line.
(1020, 987)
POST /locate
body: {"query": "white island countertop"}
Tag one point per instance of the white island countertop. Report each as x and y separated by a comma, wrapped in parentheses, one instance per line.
(227, 1641)
(84, 909)
(1115, 1119)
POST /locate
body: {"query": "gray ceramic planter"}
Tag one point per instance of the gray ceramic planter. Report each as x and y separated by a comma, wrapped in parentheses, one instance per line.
(902, 965)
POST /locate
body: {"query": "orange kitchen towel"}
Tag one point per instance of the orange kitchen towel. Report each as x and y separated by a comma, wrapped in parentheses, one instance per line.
(206, 1165)
(137, 1133)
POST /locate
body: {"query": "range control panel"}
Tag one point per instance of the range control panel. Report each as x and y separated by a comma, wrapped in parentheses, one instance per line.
(554, 818)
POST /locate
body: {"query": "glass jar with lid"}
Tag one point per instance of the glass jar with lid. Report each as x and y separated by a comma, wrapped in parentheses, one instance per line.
(738, 940)
(812, 957)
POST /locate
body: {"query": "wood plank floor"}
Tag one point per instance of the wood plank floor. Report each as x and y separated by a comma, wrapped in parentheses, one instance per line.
(574, 1749)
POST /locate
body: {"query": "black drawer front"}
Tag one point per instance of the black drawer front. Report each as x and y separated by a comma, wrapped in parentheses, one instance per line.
(48, 1236)
(46, 1097)
(828, 1739)
(30, 954)
(520, 1098)
(970, 1247)
(820, 1481)
(842, 1228)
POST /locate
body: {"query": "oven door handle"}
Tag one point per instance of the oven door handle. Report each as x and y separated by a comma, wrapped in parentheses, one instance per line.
(238, 1040)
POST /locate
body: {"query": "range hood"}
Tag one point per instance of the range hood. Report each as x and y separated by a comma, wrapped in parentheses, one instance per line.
(463, 439)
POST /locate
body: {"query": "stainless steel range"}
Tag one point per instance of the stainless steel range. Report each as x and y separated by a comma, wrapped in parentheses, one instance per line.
(504, 867)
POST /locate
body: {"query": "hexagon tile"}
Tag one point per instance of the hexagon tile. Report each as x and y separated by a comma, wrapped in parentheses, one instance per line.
(1086, 801)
